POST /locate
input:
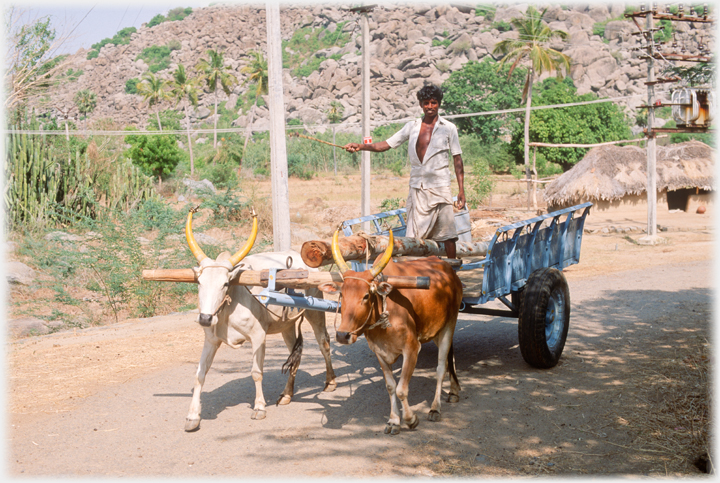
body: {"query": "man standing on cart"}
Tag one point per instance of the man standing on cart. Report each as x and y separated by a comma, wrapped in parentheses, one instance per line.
(432, 140)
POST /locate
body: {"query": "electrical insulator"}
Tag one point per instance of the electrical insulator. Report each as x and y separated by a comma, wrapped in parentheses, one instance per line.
(667, 9)
(642, 7)
(680, 10)
(654, 7)
(705, 11)
(674, 44)
(692, 11)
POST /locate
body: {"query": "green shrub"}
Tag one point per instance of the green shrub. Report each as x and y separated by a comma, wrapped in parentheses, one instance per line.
(131, 85)
(157, 57)
(155, 155)
(298, 166)
(120, 38)
(227, 206)
(73, 75)
(502, 26)
(170, 120)
(156, 20)
(305, 42)
(441, 43)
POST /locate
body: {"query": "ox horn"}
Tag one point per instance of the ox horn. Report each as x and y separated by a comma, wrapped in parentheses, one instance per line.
(235, 259)
(194, 247)
(337, 256)
(376, 270)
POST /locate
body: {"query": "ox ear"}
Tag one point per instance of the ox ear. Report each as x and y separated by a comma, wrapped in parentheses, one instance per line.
(238, 268)
(329, 288)
(384, 288)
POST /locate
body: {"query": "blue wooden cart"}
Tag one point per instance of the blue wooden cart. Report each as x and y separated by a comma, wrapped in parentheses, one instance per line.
(522, 269)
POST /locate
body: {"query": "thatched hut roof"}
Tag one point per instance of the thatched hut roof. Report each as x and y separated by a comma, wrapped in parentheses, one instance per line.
(612, 172)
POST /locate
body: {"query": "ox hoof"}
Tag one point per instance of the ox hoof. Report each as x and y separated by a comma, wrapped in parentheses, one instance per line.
(391, 428)
(412, 424)
(330, 386)
(434, 416)
(192, 424)
(453, 398)
(283, 400)
(258, 414)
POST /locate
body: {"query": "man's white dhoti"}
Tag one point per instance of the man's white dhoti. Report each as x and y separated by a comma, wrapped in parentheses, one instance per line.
(430, 214)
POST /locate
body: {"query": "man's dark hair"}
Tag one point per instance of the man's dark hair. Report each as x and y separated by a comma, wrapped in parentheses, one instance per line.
(430, 91)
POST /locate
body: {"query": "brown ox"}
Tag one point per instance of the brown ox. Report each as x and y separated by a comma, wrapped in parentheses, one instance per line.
(414, 317)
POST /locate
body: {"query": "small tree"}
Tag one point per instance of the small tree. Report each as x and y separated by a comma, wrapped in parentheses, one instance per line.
(86, 101)
(155, 155)
(334, 115)
(155, 90)
(186, 89)
(257, 71)
(533, 35)
(214, 72)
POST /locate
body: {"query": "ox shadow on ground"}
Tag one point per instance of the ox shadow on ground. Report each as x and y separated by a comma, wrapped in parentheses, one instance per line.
(611, 379)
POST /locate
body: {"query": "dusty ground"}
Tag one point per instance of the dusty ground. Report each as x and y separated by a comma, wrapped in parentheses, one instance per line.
(629, 396)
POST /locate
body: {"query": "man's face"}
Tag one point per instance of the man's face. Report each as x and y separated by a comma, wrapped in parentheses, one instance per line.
(430, 107)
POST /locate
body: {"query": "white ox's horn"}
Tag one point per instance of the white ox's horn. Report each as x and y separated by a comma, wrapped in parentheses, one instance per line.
(194, 247)
(200, 255)
(235, 259)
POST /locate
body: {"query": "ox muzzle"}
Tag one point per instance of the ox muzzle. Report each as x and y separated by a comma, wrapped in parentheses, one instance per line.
(345, 337)
(205, 320)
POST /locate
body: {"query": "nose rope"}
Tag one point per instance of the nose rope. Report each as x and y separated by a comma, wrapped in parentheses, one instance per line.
(226, 300)
(383, 321)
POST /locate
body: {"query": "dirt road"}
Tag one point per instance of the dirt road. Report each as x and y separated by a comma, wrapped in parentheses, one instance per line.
(111, 401)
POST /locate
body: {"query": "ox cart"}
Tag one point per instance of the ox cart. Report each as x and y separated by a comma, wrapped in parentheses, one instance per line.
(521, 266)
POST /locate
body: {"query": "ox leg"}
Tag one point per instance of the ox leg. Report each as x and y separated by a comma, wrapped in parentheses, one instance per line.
(393, 424)
(290, 338)
(192, 421)
(444, 343)
(257, 338)
(317, 321)
(408, 367)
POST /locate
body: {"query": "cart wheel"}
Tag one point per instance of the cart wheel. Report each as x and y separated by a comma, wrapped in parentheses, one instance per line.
(544, 317)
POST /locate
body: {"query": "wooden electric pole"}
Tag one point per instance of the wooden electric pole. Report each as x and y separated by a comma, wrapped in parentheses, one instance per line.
(278, 149)
(651, 237)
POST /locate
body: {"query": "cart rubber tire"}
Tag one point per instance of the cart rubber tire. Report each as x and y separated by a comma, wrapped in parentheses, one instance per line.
(544, 317)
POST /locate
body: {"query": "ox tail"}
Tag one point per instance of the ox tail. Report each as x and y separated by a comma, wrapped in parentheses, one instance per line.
(451, 365)
(293, 360)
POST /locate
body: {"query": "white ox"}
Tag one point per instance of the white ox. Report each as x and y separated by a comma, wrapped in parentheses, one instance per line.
(231, 314)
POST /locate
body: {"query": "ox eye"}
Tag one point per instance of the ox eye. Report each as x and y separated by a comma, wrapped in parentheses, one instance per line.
(365, 298)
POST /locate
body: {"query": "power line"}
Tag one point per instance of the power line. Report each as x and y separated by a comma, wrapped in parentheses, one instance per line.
(290, 127)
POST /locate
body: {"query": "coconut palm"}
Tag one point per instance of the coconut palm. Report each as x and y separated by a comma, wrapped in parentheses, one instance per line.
(257, 71)
(213, 71)
(186, 89)
(334, 115)
(86, 101)
(533, 36)
(155, 90)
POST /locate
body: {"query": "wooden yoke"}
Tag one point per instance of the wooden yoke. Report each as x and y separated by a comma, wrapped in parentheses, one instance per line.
(299, 279)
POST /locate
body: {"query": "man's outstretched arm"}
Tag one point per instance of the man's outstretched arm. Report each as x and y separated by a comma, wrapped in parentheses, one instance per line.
(374, 147)
(460, 176)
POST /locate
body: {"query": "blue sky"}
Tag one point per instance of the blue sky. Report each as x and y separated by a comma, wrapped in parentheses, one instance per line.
(92, 21)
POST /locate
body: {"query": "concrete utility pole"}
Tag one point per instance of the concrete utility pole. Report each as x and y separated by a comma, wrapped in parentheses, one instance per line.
(365, 162)
(278, 149)
(365, 155)
(651, 237)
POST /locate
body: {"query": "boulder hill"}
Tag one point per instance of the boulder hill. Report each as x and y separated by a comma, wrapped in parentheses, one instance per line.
(402, 53)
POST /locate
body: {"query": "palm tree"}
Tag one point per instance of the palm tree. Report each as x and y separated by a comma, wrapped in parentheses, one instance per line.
(213, 71)
(86, 101)
(257, 71)
(334, 115)
(186, 89)
(154, 90)
(533, 35)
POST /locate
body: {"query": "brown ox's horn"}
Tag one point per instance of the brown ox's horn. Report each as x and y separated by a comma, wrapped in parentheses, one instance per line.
(194, 247)
(235, 259)
(337, 256)
(376, 270)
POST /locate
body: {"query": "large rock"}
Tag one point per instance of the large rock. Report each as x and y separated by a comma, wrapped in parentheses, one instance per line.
(26, 327)
(618, 29)
(19, 273)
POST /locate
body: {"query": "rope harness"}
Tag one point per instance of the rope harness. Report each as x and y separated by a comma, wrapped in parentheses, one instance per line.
(383, 321)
